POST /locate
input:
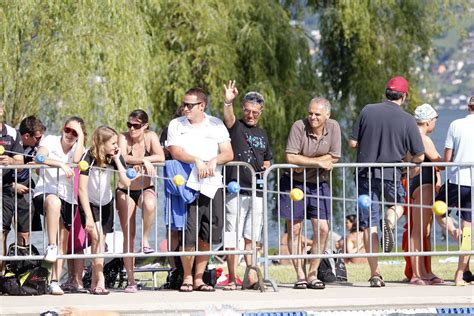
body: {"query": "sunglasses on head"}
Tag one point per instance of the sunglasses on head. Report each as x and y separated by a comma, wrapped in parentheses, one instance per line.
(254, 97)
(190, 105)
(69, 130)
(135, 125)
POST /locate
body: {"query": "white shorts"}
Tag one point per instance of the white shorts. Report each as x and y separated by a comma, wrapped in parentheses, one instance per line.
(244, 225)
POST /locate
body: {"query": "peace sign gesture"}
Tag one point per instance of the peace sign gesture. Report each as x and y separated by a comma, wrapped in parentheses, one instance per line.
(230, 91)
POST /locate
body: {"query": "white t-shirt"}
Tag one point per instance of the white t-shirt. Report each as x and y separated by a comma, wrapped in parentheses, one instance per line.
(200, 140)
(99, 187)
(459, 139)
(53, 180)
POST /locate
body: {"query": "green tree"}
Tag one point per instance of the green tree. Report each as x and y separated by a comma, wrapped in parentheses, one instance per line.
(86, 58)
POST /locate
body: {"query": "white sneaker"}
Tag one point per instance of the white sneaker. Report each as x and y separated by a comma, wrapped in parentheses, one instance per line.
(51, 253)
(55, 289)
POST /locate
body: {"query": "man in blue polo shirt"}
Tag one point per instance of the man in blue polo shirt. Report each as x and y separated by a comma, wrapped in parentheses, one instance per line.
(384, 133)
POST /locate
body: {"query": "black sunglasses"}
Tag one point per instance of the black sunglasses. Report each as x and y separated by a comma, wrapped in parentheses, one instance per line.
(135, 125)
(190, 105)
(37, 138)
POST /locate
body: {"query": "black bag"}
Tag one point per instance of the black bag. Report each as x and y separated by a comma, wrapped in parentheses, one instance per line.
(18, 267)
(112, 270)
(331, 269)
(31, 282)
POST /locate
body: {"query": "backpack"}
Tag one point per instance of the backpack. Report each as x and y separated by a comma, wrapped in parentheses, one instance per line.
(332, 269)
(24, 277)
(112, 270)
(18, 267)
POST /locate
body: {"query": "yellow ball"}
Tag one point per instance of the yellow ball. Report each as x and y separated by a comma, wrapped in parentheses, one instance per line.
(296, 194)
(2, 150)
(83, 165)
(440, 208)
(178, 180)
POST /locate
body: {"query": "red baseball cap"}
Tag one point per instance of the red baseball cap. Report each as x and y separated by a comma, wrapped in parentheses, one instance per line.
(398, 83)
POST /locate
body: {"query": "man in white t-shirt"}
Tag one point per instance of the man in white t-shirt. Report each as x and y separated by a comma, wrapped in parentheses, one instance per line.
(204, 141)
(456, 192)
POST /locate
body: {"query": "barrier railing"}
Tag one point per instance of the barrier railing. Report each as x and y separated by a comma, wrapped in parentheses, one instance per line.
(344, 196)
(228, 241)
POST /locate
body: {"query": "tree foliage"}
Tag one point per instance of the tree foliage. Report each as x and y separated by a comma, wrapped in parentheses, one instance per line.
(102, 59)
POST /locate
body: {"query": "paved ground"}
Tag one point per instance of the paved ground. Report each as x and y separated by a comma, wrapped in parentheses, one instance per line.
(334, 297)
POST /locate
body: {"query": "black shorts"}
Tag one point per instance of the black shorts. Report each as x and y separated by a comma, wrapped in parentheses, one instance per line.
(135, 194)
(24, 216)
(107, 215)
(67, 210)
(200, 224)
(459, 196)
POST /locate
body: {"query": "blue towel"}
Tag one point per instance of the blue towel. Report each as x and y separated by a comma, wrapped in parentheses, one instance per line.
(177, 198)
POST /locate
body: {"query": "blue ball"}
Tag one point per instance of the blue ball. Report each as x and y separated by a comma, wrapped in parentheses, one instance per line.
(39, 158)
(131, 173)
(233, 187)
(364, 201)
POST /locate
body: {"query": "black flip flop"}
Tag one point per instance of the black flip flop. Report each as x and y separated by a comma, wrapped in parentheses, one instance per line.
(186, 287)
(205, 288)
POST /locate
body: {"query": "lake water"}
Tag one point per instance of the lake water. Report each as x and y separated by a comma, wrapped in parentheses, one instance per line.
(158, 231)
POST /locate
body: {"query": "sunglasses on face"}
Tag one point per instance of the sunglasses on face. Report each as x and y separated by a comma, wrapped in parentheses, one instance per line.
(37, 138)
(254, 113)
(69, 130)
(135, 125)
(190, 105)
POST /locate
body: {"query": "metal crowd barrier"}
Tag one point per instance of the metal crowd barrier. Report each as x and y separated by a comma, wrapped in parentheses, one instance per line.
(343, 198)
(114, 247)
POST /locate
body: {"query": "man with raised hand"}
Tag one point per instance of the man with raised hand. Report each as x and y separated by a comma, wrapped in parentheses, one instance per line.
(250, 144)
(384, 133)
(202, 140)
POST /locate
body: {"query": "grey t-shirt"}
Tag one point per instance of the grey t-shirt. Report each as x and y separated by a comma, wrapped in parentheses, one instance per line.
(302, 141)
(385, 133)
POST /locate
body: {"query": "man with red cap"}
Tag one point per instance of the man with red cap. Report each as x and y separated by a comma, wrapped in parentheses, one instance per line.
(384, 133)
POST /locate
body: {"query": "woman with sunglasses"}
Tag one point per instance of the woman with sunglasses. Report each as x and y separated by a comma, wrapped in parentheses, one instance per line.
(141, 148)
(95, 195)
(54, 193)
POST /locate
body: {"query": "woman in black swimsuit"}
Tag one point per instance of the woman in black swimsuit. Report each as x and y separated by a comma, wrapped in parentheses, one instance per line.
(422, 187)
(142, 149)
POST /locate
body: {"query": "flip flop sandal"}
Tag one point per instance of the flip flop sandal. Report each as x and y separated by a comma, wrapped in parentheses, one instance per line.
(300, 285)
(418, 281)
(204, 288)
(99, 291)
(316, 284)
(231, 286)
(186, 287)
(435, 281)
(462, 283)
(148, 250)
(131, 288)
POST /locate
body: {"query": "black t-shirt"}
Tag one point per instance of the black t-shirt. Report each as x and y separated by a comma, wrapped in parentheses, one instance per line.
(10, 139)
(385, 133)
(250, 144)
